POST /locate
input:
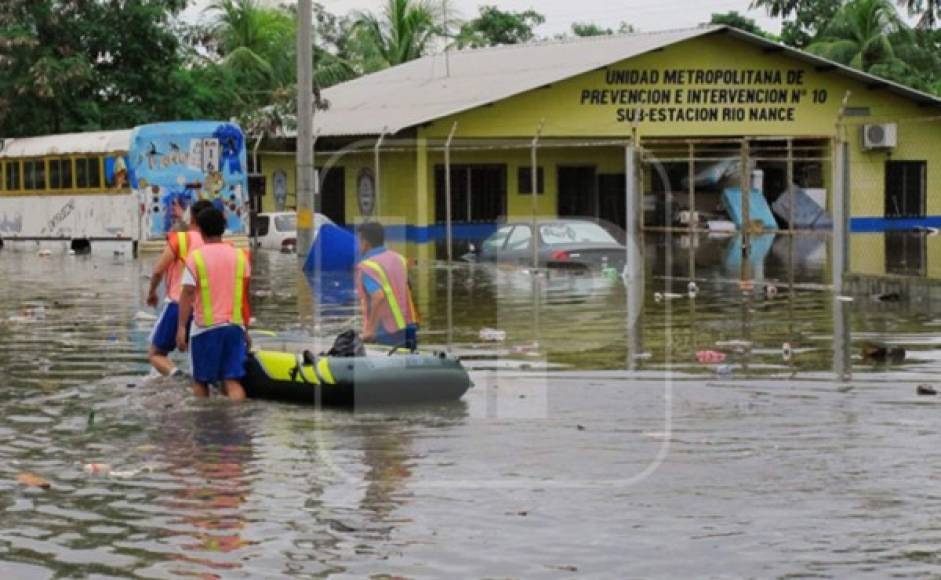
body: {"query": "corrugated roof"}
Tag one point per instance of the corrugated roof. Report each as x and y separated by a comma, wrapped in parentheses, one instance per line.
(68, 144)
(423, 90)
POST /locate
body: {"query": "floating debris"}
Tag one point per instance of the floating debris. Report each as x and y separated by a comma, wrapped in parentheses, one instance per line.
(580, 427)
(692, 290)
(845, 299)
(771, 292)
(787, 353)
(492, 335)
(888, 297)
(883, 354)
(710, 357)
(96, 468)
(44, 253)
(32, 480)
(724, 370)
(926, 390)
(661, 296)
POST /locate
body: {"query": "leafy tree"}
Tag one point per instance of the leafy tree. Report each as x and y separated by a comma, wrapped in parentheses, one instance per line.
(403, 31)
(740, 21)
(494, 27)
(809, 18)
(778, 8)
(592, 29)
(68, 65)
(861, 35)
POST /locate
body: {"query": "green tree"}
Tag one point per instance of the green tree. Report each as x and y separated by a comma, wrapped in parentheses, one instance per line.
(863, 34)
(403, 31)
(495, 27)
(584, 29)
(68, 65)
(803, 19)
(740, 21)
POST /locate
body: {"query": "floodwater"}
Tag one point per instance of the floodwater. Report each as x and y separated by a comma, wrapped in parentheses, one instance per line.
(594, 444)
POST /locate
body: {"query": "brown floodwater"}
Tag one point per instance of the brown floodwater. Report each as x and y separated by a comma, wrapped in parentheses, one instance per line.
(593, 444)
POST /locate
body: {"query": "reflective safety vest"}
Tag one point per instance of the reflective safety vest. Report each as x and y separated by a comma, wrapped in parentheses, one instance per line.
(181, 243)
(390, 271)
(221, 272)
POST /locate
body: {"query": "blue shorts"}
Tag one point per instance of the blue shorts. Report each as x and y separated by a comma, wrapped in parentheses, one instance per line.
(163, 336)
(219, 354)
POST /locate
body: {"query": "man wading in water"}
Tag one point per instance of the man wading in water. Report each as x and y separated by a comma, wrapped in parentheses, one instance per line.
(171, 265)
(215, 283)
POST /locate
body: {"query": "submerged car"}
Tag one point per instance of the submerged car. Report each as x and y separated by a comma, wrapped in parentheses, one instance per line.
(278, 230)
(565, 244)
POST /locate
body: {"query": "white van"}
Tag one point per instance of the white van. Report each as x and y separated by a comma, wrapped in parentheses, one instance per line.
(278, 230)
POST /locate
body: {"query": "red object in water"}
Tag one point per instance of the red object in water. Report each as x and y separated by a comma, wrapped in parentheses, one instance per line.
(560, 256)
(710, 357)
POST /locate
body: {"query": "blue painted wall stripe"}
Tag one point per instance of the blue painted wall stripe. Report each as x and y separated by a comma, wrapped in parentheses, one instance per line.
(876, 224)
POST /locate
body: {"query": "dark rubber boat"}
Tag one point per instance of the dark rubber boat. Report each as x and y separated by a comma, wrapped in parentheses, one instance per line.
(355, 381)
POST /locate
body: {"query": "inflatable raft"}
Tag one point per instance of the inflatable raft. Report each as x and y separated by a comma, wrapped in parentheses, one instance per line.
(356, 381)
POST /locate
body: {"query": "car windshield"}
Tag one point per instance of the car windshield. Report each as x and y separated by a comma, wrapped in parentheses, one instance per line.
(285, 223)
(574, 233)
(495, 242)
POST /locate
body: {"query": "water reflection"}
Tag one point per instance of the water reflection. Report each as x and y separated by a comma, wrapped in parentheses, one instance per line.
(575, 393)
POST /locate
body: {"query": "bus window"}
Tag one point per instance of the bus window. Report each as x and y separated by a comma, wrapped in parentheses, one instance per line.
(34, 174)
(12, 176)
(60, 173)
(88, 173)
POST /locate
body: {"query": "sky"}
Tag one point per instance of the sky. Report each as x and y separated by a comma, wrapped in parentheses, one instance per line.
(645, 15)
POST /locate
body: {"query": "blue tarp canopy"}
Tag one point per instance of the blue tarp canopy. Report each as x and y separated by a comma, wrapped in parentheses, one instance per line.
(333, 250)
(759, 210)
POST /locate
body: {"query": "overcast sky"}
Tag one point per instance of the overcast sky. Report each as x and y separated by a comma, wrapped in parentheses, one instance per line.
(560, 14)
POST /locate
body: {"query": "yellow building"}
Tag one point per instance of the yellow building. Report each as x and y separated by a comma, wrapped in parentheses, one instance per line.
(697, 105)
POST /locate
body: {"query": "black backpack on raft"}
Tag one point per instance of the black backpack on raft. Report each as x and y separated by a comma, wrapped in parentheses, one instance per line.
(347, 345)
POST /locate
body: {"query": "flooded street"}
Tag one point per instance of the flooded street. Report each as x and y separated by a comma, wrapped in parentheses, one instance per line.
(593, 444)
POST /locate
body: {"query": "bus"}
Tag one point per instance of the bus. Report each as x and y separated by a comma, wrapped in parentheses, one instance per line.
(115, 191)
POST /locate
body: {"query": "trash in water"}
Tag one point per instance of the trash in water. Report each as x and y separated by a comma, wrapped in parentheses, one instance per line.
(145, 316)
(734, 344)
(724, 370)
(661, 296)
(883, 354)
(580, 427)
(611, 273)
(32, 480)
(71, 252)
(888, 297)
(787, 353)
(771, 291)
(845, 298)
(492, 335)
(527, 349)
(926, 390)
(692, 290)
(643, 356)
(44, 253)
(710, 357)
(97, 468)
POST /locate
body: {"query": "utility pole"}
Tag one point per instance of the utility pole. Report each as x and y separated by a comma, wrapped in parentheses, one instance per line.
(305, 130)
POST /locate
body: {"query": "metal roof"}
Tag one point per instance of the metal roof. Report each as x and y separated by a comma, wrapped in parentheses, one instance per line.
(68, 144)
(432, 87)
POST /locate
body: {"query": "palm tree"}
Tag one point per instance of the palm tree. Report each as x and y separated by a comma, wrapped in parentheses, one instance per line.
(928, 11)
(403, 31)
(863, 35)
(777, 8)
(255, 40)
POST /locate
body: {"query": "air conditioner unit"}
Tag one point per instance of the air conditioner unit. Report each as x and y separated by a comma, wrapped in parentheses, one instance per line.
(883, 136)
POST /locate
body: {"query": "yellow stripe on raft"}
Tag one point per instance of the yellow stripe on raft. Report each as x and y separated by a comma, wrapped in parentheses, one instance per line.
(323, 369)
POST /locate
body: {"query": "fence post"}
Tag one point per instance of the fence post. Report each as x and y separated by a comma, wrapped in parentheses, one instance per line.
(447, 193)
(377, 210)
(631, 206)
(534, 181)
